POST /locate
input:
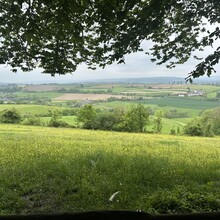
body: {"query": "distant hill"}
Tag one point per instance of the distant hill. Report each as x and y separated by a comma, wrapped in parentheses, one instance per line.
(205, 79)
(147, 80)
(157, 80)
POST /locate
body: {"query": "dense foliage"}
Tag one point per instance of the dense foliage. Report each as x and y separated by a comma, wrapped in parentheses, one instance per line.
(10, 116)
(208, 124)
(193, 128)
(86, 116)
(56, 121)
(59, 35)
(33, 120)
(134, 119)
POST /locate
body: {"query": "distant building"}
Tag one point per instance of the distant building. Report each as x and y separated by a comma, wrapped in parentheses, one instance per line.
(180, 94)
(196, 93)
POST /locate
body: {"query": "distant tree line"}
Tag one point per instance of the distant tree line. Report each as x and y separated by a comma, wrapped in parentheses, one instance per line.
(174, 113)
(10, 88)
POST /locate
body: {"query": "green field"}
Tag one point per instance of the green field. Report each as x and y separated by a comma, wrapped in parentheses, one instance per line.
(39, 94)
(154, 104)
(48, 170)
(168, 124)
(181, 102)
(29, 109)
(71, 120)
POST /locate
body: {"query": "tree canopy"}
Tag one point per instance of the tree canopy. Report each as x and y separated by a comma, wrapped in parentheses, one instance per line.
(59, 35)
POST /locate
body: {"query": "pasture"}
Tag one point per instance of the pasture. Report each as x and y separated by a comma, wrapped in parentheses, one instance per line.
(48, 170)
(91, 97)
(38, 100)
(26, 109)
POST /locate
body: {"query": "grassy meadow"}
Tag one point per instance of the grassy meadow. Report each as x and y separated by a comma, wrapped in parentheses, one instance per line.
(70, 120)
(26, 109)
(52, 170)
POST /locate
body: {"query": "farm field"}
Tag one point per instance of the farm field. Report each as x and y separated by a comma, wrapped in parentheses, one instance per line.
(47, 170)
(37, 94)
(192, 112)
(26, 109)
(181, 102)
(79, 96)
(71, 120)
(42, 100)
(41, 88)
(169, 124)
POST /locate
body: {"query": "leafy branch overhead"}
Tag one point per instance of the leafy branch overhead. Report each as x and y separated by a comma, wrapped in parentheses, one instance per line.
(61, 34)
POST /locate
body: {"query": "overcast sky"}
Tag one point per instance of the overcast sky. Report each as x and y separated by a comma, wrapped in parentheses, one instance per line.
(137, 65)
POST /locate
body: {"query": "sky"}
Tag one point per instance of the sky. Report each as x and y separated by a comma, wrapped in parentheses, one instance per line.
(137, 65)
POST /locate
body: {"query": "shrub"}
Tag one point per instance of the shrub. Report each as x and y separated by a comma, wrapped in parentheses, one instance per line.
(58, 124)
(210, 120)
(33, 121)
(105, 121)
(69, 111)
(193, 128)
(11, 116)
(173, 131)
(208, 124)
(157, 122)
(174, 113)
(56, 121)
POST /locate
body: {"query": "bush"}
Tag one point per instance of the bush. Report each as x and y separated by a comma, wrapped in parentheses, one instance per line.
(157, 122)
(174, 113)
(193, 128)
(11, 116)
(69, 111)
(58, 124)
(208, 124)
(173, 131)
(210, 120)
(218, 95)
(105, 121)
(33, 121)
(56, 121)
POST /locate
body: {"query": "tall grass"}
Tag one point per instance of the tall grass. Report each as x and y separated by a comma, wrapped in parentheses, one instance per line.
(48, 170)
